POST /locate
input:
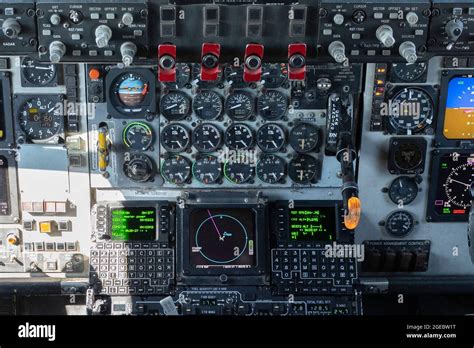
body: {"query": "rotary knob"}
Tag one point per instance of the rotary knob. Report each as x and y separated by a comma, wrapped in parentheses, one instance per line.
(127, 19)
(56, 51)
(454, 29)
(128, 50)
(384, 34)
(408, 51)
(337, 50)
(11, 28)
(103, 34)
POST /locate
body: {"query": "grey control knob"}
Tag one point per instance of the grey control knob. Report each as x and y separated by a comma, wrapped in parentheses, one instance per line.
(337, 50)
(127, 19)
(56, 51)
(11, 28)
(408, 51)
(384, 34)
(412, 18)
(55, 19)
(454, 29)
(128, 50)
(338, 19)
(102, 36)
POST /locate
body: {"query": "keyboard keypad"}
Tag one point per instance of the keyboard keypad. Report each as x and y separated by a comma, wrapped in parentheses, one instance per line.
(121, 268)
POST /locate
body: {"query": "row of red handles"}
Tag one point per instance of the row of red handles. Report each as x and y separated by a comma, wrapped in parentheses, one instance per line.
(252, 62)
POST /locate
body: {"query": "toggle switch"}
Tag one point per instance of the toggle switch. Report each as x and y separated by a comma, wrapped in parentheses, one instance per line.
(297, 62)
(167, 63)
(210, 61)
(253, 62)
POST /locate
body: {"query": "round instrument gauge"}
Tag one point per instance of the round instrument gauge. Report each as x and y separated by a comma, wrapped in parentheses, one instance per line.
(176, 169)
(411, 111)
(206, 138)
(270, 137)
(40, 118)
(239, 171)
(304, 137)
(272, 105)
(271, 169)
(458, 185)
(400, 223)
(175, 138)
(138, 167)
(235, 76)
(303, 169)
(36, 73)
(239, 106)
(221, 238)
(207, 105)
(239, 137)
(131, 89)
(138, 136)
(175, 105)
(274, 75)
(408, 156)
(403, 190)
(207, 169)
(409, 72)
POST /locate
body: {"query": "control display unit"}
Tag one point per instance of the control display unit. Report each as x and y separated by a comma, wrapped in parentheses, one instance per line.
(137, 223)
(315, 224)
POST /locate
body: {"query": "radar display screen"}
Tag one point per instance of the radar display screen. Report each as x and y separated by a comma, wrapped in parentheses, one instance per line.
(455, 175)
(4, 188)
(312, 224)
(222, 238)
(133, 223)
(459, 114)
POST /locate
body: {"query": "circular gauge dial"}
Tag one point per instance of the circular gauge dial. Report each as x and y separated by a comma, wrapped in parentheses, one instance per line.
(175, 138)
(303, 169)
(131, 89)
(399, 223)
(408, 156)
(270, 137)
(207, 105)
(36, 73)
(234, 75)
(239, 171)
(239, 137)
(403, 190)
(304, 137)
(414, 111)
(239, 106)
(40, 118)
(176, 169)
(175, 105)
(409, 72)
(221, 238)
(138, 136)
(138, 167)
(458, 185)
(206, 138)
(274, 75)
(207, 169)
(271, 169)
(272, 105)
